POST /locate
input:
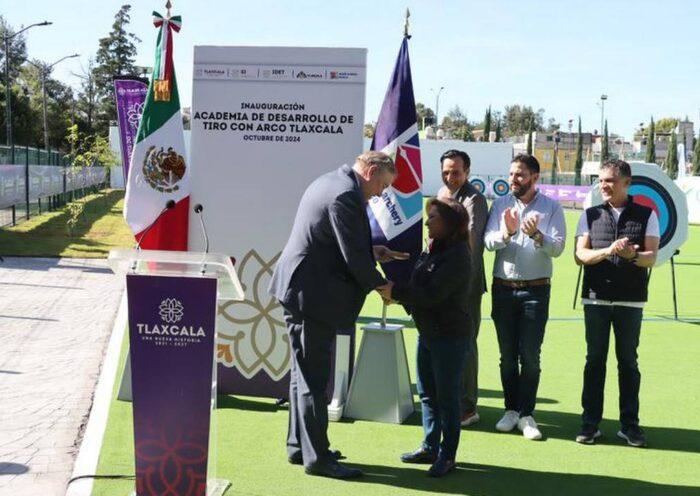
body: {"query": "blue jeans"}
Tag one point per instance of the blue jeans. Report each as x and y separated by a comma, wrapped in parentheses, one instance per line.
(520, 317)
(439, 364)
(626, 323)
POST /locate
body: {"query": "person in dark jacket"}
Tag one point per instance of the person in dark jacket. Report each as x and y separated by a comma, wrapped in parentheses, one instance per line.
(436, 297)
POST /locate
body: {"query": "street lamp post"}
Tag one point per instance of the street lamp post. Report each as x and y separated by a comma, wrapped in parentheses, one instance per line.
(44, 70)
(8, 92)
(437, 104)
(603, 97)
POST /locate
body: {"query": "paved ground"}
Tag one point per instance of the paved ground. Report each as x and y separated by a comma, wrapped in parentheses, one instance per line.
(55, 320)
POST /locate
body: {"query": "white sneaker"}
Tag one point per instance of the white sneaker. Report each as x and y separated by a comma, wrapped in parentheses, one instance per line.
(508, 422)
(469, 419)
(528, 427)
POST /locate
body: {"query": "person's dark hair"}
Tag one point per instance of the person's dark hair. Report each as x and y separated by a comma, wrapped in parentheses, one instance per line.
(453, 154)
(455, 217)
(528, 161)
(622, 167)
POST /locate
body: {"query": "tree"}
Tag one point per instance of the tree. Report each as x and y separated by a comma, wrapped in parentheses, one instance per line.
(456, 121)
(672, 157)
(59, 103)
(369, 130)
(578, 165)
(604, 146)
(17, 49)
(487, 124)
(666, 125)
(115, 56)
(86, 103)
(424, 115)
(696, 158)
(17, 53)
(519, 120)
(651, 149)
(497, 120)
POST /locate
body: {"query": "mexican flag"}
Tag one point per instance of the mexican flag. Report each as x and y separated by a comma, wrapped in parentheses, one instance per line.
(158, 170)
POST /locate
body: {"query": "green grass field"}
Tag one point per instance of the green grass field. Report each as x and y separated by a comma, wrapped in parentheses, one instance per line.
(251, 431)
(100, 228)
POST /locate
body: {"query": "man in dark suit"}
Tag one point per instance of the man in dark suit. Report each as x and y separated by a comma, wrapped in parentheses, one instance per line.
(455, 165)
(322, 279)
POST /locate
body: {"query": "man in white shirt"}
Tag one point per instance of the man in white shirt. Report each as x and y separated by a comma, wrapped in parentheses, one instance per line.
(526, 229)
(616, 242)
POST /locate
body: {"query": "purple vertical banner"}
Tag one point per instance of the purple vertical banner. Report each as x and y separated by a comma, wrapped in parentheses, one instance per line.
(171, 334)
(130, 94)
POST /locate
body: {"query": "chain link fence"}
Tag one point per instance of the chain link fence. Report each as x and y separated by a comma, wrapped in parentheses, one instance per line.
(34, 180)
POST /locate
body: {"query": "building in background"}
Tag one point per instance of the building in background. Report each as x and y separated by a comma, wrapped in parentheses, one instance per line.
(543, 148)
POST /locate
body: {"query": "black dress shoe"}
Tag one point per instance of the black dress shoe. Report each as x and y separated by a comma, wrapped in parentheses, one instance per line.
(298, 459)
(442, 466)
(421, 455)
(334, 471)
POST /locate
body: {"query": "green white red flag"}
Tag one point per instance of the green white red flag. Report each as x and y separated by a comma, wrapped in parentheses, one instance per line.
(158, 170)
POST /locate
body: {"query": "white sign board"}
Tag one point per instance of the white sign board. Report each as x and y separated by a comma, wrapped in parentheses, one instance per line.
(265, 123)
(489, 161)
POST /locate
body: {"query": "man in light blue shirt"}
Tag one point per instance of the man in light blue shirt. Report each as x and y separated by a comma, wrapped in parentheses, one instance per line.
(526, 229)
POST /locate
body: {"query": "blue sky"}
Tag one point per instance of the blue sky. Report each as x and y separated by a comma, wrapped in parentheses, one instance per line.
(555, 55)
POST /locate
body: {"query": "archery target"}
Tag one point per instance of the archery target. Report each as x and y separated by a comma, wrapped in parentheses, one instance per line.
(500, 187)
(479, 185)
(653, 188)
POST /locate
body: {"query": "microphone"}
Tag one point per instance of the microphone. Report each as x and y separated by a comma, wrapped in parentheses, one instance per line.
(170, 204)
(198, 209)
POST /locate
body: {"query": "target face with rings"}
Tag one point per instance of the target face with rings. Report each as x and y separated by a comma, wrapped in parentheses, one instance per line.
(500, 187)
(652, 188)
(649, 193)
(479, 185)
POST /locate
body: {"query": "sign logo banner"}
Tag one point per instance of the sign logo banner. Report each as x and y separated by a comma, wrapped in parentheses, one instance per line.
(157, 170)
(171, 334)
(396, 217)
(275, 106)
(130, 94)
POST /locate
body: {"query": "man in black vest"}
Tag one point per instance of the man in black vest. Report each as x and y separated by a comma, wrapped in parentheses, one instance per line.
(616, 242)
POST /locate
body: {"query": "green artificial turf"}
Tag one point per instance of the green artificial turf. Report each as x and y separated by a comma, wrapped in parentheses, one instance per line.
(251, 431)
(100, 228)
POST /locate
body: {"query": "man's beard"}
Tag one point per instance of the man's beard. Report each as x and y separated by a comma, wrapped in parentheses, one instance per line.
(524, 189)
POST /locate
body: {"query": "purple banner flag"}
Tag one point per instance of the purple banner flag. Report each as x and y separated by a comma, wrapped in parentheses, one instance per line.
(396, 217)
(563, 192)
(172, 334)
(130, 94)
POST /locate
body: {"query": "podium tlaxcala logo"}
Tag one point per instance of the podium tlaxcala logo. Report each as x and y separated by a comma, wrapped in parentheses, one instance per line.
(171, 312)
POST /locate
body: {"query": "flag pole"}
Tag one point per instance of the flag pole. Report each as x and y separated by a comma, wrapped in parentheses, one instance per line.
(384, 314)
(168, 6)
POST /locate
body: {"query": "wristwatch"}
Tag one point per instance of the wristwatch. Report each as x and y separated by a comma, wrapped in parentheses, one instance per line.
(537, 237)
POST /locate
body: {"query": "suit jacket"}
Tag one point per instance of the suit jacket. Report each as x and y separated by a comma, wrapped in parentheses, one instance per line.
(478, 211)
(327, 266)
